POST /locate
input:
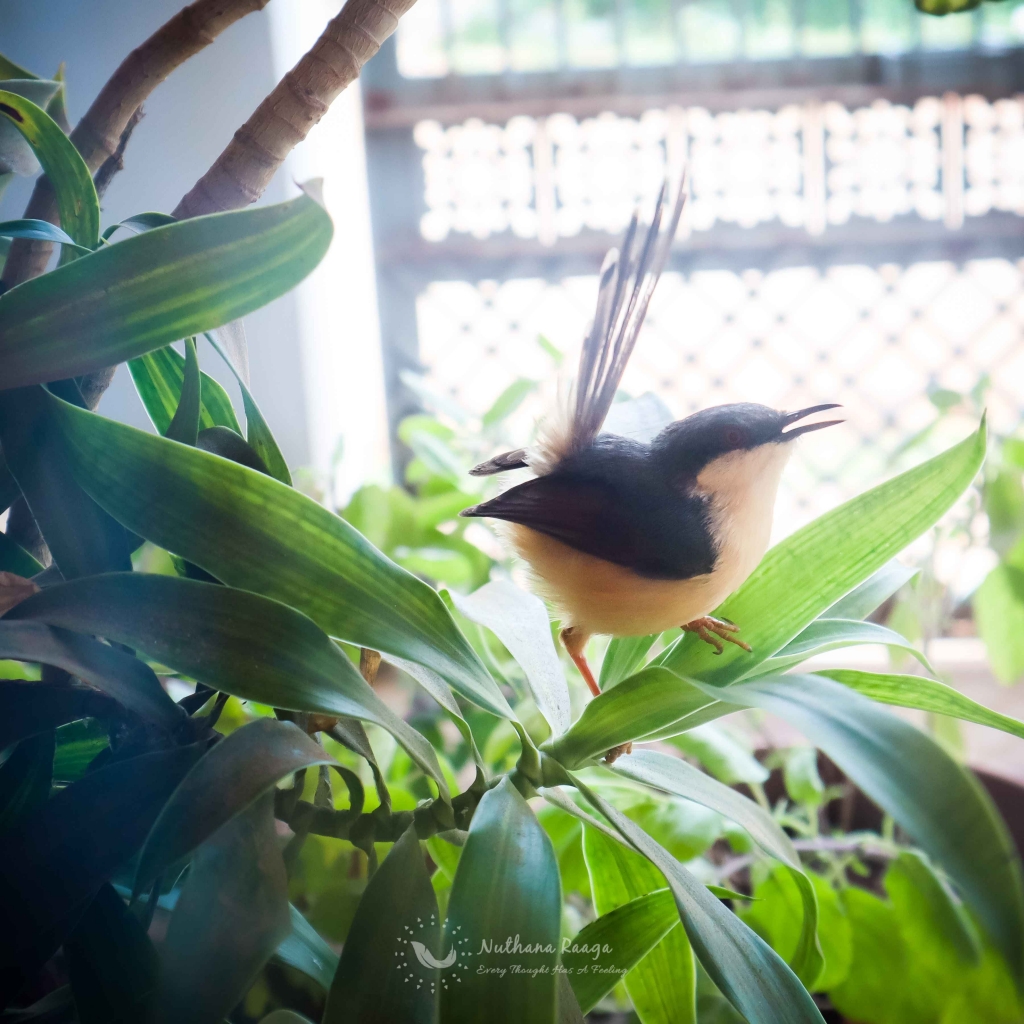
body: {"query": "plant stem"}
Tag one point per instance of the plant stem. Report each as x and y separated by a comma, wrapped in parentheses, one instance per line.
(242, 172)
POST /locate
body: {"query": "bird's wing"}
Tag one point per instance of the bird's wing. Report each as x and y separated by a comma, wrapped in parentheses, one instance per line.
(585, 514)
(628, 279)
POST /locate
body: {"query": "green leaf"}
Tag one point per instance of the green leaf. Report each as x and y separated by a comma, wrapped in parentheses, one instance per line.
(381, 976)
(800, 772)
(508, 401)
(999, 613)
(39, 230)
(25, 779)
(78, 743)
(258, 433)
(77, 202)
(506, 886)
(149, 290)
(662, 985)
(158, 378)
(811, 569)
(228, 779)
(941, 806)
(307, 952)
(16, 155)
(747, 971)
(520, 621)
(876, 589)
(830, 634)
(209, 959)
(285, 1017)
(240, 643)
(673, 775)
(129, 681)
(634, 708)
(112, 964)
(14, 558)
(597, 957)
(140, 222)
(624, 656)
(919, 895)
(227, 444)
(8, 69)
(722, 754)
(184, 425)
(43, 891)
(925, 695)
(82, 538)
(777, 915)
(255, 533)
(880, 985)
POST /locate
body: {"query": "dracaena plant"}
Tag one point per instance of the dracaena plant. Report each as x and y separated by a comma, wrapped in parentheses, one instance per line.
(117, 803)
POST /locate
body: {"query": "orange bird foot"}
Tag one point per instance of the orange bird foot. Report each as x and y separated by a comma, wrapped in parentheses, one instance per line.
(574, 641)
(710, 629)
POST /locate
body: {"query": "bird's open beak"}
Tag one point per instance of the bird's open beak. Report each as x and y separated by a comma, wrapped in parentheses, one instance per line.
(793, 417)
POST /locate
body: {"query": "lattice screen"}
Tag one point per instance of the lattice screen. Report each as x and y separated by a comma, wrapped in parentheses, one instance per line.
(807, 166)
(873, 338)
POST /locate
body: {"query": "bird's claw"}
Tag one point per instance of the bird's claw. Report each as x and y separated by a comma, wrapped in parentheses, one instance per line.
(616, 752)
(709, 629)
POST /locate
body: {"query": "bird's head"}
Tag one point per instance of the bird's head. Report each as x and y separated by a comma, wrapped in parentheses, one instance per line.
(743, 441)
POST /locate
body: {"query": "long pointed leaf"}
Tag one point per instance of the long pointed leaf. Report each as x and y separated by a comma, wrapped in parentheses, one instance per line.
(520, 621)
(307, 952)
(623, 657)
(152, 289)
(227, 780)
(653, 698)
(158, 378)
(129, 681)
(43, 890)
(210, 959)
(506, 893)
(925, 695)
(824, 635)
(77, 202)
(240, 643)
(82, 537)
(674, 775)
(747, 971)
(811, 569)
(184, 425)
(254, 532)
(877, 588)
(941, 805)
(257, 430)
(630, 932)
(662, 986)
(381, 976)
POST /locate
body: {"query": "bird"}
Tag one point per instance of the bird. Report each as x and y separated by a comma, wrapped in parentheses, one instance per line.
(627, 538)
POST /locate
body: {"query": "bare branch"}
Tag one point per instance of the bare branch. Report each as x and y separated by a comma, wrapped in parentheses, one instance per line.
(242, 172)
(98, 134)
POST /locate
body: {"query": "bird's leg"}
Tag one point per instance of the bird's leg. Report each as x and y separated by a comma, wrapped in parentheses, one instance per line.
(574, 641)
(710, 629)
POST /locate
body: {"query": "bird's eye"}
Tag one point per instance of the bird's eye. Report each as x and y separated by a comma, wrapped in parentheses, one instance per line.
(734, 437)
